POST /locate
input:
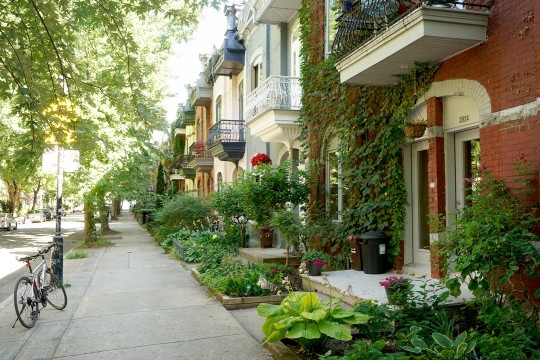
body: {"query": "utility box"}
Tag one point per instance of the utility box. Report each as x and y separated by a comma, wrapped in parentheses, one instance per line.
(356, 252)
(374, 252)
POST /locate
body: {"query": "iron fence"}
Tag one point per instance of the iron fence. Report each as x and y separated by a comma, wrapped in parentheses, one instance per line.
(227, 131)
(275, 93)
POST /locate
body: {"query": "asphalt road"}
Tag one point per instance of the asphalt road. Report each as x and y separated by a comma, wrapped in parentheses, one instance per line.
(26, 240)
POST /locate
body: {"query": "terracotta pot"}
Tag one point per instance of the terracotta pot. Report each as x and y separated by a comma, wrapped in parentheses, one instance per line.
(266, 237)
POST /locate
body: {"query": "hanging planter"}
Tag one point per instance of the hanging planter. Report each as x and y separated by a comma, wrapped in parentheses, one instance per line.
(415, 130)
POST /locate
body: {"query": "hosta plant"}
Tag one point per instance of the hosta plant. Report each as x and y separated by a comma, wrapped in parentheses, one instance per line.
(305, 319)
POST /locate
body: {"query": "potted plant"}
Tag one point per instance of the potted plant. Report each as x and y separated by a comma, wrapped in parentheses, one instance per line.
(276, 187)
(397, 289)
(314, 261)
(416, 128)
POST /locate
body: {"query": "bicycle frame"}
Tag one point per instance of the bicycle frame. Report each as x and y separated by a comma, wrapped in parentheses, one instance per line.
(38, 288)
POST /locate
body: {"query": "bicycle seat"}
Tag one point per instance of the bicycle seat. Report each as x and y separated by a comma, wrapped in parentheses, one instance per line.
(25, 259)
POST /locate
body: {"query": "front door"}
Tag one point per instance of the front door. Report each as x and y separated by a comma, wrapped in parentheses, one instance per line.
(467, 160)
(419, 191)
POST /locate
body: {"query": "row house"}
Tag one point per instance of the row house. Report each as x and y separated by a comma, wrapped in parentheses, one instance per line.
(482, 106)
(246, 100)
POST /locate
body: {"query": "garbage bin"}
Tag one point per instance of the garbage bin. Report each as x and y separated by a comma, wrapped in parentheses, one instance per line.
(356, 253)
(374, 258)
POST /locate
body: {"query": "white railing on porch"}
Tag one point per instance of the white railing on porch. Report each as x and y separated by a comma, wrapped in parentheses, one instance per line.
(275, 93)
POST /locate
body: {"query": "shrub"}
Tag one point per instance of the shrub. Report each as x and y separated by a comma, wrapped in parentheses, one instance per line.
(183, 213)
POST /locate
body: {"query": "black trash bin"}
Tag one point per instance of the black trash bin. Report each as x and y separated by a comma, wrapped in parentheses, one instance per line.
(356, 252)
(374, 249)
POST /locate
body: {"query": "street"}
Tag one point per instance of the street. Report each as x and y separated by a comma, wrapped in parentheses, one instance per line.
(26, 240)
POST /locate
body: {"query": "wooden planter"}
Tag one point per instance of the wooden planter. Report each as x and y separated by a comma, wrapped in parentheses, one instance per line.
(234, 303)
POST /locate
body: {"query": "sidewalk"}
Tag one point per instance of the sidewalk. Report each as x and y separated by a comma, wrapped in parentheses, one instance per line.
(130, 301)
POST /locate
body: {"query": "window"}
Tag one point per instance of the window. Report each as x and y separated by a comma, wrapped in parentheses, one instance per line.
(332, 12)
(218, 109)
(257, 74)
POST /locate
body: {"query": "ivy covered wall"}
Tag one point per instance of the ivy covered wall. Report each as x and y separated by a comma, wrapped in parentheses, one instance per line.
(368, 122)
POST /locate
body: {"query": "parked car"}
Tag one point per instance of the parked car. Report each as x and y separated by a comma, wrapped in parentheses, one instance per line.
(35, 216)
(48, 214)
(7, 221)
(20, 219)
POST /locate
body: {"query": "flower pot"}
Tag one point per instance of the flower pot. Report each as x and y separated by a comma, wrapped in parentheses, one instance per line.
(266, 237)
(413, 131)
(396, 295)
(314, 270)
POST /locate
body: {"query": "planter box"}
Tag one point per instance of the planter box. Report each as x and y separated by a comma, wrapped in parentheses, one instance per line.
(234, 303)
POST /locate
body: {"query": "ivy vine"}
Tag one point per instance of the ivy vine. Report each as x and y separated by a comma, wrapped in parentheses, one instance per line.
(368, 121)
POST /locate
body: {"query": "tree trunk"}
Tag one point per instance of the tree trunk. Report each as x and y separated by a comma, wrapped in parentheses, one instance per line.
(36, 192)
(89, 226)
(103, 212)
(14, 193)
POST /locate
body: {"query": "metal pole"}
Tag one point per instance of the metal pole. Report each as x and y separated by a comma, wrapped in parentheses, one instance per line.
(58, 250)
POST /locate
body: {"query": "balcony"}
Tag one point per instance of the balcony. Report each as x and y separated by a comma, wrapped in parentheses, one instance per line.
(382, 38)
(201, 159)
(273, 108)
(180, 132)
(227, 140)
(201, 93)
(183, 171)
(276, 11)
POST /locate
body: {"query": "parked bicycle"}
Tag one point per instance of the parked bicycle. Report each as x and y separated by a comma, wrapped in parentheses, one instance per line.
(41, 287)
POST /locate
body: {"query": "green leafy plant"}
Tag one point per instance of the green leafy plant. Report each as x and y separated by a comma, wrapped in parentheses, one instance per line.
(302, 317)
(491, 242)
(363, 350)
(312, 256)
(77, 254)
(183, 213)
(443, 347)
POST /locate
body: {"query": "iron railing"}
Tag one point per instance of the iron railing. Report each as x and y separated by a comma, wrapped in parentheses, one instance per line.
(275, 93)
(182, 161)
(362, 20)
(199, 150)
(226, 131)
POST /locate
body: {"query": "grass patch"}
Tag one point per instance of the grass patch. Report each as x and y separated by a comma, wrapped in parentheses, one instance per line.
(77, 254)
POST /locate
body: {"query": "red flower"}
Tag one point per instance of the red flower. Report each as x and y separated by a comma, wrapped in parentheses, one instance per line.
(260, 159)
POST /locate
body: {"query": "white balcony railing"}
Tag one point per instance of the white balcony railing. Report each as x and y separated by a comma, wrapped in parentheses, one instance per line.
(275, 93)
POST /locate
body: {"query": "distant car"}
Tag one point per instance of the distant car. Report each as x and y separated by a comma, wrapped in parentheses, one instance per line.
(48, 214)
(20, 219)
(7, 221)
(36, 216)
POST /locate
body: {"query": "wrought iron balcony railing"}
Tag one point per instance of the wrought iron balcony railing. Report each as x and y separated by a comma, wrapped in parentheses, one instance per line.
(275, 93)
(362, 20)
(182, 162)
(199, 150)
(227, 131)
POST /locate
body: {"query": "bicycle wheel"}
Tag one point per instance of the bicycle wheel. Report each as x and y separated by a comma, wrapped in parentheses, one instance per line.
(54, 291)
(25, 302)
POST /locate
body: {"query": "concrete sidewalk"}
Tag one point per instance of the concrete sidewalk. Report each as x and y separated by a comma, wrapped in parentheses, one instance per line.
(130, 301)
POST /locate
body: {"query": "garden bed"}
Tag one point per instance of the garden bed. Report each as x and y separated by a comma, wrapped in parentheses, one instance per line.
(234, 303)
(181, 248)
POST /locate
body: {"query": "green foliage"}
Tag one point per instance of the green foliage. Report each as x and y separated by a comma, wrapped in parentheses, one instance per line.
(290, 225)
(303, 318)
(228, 202)
(491, 240)
(235, 278)
(363, 350)
(380, 323)
(368, 122)
(77, 254)
(160, 183)
(183, 213)
(269, 188)
(311, 256)
(442, 347)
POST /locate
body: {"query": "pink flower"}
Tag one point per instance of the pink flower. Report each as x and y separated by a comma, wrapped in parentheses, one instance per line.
(319, 262)
(392, 280)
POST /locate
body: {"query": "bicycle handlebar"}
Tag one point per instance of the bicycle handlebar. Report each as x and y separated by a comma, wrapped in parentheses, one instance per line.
(40, 252)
